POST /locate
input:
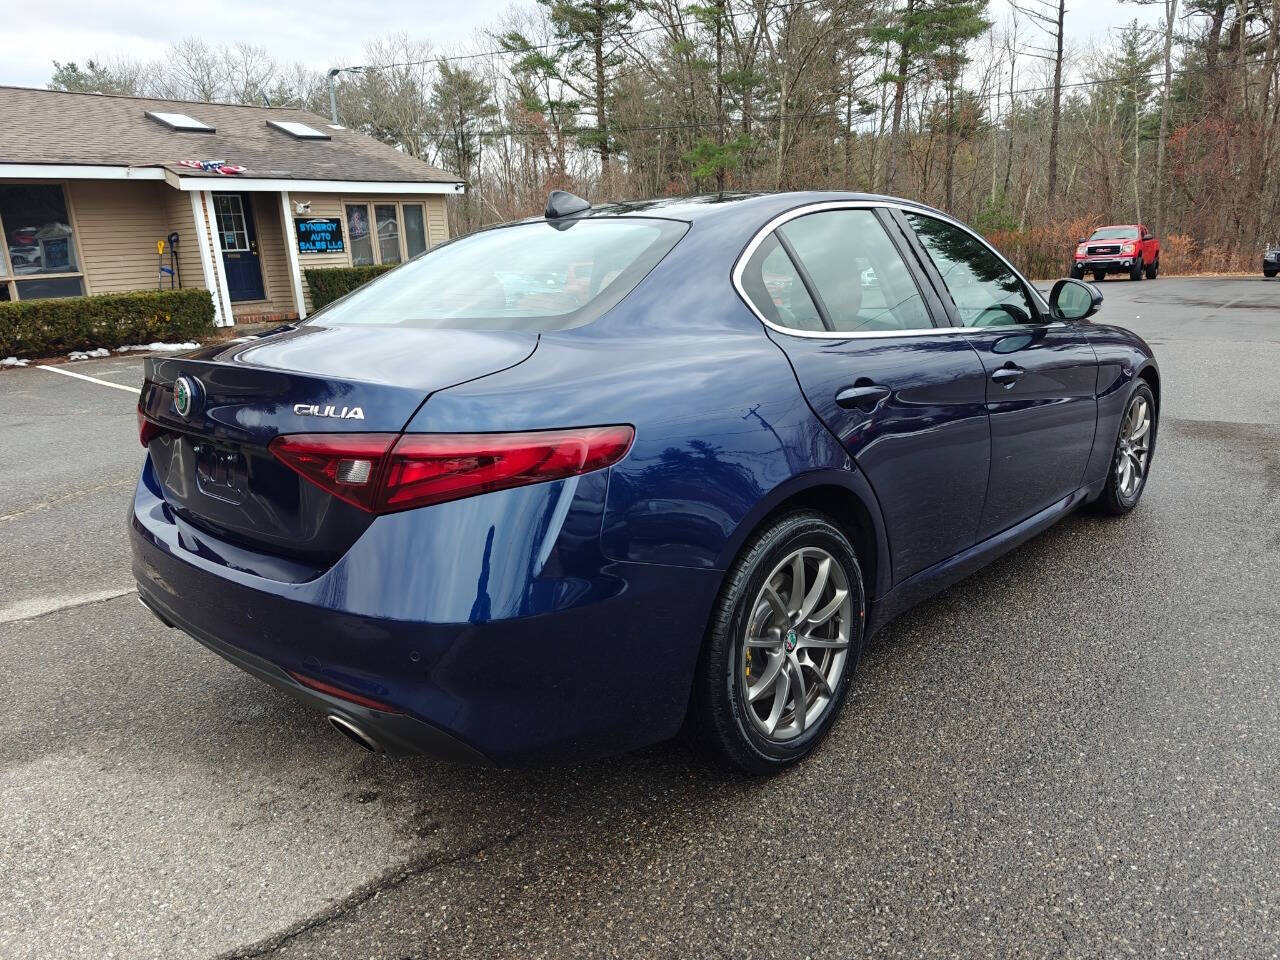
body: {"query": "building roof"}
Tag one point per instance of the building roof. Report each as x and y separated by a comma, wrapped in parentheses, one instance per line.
(57, 127)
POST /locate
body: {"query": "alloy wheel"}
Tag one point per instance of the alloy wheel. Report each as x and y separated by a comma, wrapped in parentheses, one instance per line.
(1134, 447)
(796, 644)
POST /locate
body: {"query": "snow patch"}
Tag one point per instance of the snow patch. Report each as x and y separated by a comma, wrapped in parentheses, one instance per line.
(87, 354)
(13, 362)
(158, 347)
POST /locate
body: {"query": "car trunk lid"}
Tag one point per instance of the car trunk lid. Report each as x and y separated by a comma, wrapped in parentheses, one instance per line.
(214, 463)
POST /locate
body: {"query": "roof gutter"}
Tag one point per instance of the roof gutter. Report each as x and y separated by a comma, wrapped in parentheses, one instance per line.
(239, 184)
(78, 171)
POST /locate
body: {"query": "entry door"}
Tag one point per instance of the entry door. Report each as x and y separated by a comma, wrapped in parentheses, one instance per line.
(239, 242)
(905, 397)
(1041, 376)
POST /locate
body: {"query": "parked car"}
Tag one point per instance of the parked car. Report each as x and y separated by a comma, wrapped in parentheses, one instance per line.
(1271, 261)
(512, 533)
(1127, 248)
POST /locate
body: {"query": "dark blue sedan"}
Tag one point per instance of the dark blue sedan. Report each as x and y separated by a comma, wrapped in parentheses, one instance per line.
(559, 488)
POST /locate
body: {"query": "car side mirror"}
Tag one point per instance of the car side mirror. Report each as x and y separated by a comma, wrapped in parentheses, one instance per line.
(1074, 300)
(1083, 240)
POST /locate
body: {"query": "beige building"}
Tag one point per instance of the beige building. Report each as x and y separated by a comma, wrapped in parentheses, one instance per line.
(243, 200)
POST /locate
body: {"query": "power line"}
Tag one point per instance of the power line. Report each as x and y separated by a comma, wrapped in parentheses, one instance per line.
(560, 44)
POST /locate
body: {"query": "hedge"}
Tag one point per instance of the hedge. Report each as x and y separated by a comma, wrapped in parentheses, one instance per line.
(329, 283)
(32, 328)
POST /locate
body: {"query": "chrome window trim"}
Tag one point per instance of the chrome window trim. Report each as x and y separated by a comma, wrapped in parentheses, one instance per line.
(823, 205)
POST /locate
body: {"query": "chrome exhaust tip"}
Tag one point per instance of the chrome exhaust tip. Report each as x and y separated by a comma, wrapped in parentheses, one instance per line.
(353, 732)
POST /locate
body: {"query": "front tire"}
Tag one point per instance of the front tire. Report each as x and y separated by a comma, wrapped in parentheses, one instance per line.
(781, 647)
(1099, 276)
(1268, 273)
(1077, 272)
(1131, 459)
(1135, 272)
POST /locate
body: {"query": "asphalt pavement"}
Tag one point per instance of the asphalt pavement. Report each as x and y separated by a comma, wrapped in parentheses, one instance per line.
(1074, 753)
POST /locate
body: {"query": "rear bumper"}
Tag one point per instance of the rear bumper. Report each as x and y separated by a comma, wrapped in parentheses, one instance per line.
(391, 731)
(561, 656)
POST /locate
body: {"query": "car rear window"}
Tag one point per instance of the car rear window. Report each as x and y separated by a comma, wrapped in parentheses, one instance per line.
(530, 276)
(1115, 233)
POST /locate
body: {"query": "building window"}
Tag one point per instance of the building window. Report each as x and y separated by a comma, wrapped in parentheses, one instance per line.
(415, 229)
(388, 233)
(358, 234)
(228, 208)
(385, 232)
(38, 242)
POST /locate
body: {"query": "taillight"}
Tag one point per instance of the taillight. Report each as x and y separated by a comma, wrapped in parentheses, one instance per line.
(381, 474)
(348, 465)
(147, 428)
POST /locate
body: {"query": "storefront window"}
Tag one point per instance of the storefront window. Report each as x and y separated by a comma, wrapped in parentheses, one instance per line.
(415, 229)
(385, 233)
(37, 229)
(388, 233)
(39, 241)
(358, 234)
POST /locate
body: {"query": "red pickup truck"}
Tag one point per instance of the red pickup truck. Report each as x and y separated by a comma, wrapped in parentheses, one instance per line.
(1125, 248)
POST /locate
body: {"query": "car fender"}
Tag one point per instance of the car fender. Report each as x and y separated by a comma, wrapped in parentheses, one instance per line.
(845, 477)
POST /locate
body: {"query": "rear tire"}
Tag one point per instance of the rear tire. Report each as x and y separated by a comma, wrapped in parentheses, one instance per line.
(1134, 445)
(1099, 276)
(792, 657)
(1135, 272)
(1153, 270)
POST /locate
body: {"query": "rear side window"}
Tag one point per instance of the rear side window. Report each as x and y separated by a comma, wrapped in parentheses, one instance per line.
(836, 271)
(775, 287)
(858, 274)
(530, 276)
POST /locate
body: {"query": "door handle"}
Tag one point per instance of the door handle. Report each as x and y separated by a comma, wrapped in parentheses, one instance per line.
(861, 396)
(1008, 375)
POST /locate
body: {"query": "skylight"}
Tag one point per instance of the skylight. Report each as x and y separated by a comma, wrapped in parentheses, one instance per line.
(298, 130)
(179, 121)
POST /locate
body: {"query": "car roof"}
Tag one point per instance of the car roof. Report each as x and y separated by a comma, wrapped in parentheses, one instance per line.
(715, 206)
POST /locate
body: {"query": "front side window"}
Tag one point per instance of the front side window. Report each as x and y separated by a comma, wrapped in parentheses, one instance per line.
(857, 272)
(986, 292)
(531, 276)
(39, 242)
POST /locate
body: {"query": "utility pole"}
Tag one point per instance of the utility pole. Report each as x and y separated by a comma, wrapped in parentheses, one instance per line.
(333, 94)
(333, 89)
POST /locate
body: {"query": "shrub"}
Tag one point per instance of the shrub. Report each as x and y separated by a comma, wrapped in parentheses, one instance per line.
(44, 327)
(327, 284)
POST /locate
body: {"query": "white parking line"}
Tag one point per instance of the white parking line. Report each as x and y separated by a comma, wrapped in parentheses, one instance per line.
(39, 606)
(81, 376)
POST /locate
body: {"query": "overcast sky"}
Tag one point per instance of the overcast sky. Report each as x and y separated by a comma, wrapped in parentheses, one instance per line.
(318, 33)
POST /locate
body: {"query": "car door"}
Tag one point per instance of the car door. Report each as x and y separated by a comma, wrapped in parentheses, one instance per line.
(1041, 373)
(844, 300)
